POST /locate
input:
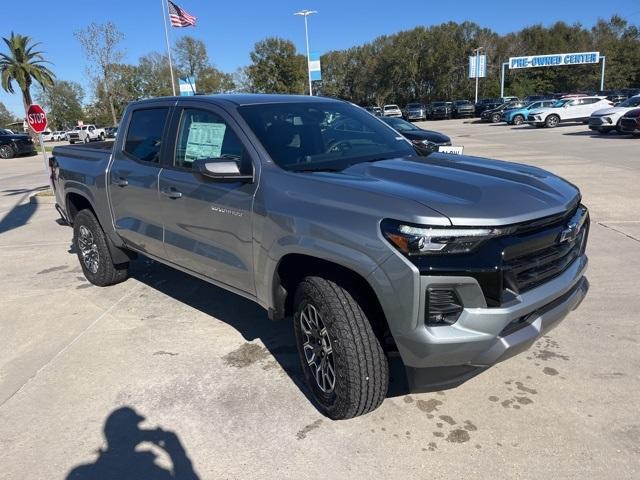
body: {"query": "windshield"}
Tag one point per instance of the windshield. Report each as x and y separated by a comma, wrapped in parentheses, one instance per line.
(4, 131)
(631, 102)
(462, 102)
(439, 104)
(399, 124)
(560, 103)
(322, 136)
(414, 105)
(391, 107)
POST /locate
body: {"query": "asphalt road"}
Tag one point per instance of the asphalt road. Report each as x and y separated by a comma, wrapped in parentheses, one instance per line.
(220, 381)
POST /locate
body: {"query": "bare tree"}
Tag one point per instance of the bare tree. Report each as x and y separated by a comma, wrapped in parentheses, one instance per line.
(191, 55)
(100, 43)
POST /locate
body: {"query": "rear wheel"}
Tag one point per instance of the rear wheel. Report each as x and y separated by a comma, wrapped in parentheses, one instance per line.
(518, 120)
(94, 255)
(6, 151)
(342, 360)
(552, 121)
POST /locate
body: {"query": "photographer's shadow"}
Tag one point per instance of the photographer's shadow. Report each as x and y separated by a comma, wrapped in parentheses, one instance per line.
(123, 459)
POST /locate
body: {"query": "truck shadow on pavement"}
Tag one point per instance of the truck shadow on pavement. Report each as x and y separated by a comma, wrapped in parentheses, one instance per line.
(123, 459)
(245, 316)
(248, 318)
(18, 216)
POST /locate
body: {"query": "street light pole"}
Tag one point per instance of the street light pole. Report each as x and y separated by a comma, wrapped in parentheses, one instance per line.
(477, 50)
(305, 14)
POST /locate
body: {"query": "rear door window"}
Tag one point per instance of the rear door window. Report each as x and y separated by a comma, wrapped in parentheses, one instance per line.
(144, 135)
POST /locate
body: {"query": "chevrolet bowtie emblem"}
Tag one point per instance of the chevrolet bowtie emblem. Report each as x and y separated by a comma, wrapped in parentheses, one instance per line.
(573, 228)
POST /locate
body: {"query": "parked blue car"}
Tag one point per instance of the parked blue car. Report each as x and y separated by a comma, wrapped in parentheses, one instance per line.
(517, 116)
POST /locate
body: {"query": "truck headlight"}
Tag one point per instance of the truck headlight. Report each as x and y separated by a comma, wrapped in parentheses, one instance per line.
(435, 240)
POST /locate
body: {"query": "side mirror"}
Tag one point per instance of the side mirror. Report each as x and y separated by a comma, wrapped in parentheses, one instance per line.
(222, 170)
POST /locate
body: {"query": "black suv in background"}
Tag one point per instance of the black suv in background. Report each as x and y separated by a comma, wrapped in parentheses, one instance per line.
(440, 110)
(13, 144)
(487, 104)
(463, 108)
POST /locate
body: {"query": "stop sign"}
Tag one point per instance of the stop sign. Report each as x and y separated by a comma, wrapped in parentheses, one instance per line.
(36, 118)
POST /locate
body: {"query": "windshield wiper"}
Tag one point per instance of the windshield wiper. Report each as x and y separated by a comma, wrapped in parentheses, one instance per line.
(316, 169)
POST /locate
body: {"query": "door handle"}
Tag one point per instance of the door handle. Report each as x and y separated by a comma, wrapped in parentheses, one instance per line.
(121, 182)
(171, 193)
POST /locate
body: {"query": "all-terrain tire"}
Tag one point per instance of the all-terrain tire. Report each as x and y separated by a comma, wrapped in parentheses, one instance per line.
(90, 242)
(361, 371)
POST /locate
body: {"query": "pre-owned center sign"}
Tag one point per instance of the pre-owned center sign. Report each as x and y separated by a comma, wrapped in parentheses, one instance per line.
(554, 60)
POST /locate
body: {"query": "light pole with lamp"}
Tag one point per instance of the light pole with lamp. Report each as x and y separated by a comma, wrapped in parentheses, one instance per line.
(305, 14)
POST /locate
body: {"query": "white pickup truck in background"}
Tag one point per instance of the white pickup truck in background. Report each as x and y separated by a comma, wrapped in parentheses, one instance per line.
(86, 134)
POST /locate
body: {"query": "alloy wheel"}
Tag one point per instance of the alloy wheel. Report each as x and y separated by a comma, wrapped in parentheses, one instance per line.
(6, 151)
(317, 348)
(88, 249)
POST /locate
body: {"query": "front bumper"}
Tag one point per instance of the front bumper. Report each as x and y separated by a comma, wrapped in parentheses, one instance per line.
(416, 116)
(439, 356)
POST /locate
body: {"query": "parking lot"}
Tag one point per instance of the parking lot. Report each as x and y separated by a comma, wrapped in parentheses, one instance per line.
(208, 366)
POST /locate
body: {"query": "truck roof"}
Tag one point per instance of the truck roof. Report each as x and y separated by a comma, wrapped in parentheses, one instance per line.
(241, 99)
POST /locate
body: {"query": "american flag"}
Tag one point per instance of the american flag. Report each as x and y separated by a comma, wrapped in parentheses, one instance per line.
(180, 18)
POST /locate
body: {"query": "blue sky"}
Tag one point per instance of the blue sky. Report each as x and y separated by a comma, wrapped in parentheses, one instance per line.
(230, 29)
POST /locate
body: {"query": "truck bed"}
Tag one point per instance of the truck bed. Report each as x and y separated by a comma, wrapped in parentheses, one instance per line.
(95, 151)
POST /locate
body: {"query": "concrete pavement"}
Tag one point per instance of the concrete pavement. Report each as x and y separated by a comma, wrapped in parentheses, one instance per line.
(208, 365)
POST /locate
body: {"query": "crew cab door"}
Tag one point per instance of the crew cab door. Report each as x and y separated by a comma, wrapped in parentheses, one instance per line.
(208, 222)
(133, 179)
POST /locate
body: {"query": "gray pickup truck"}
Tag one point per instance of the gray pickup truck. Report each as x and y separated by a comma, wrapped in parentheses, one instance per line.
(323, 214)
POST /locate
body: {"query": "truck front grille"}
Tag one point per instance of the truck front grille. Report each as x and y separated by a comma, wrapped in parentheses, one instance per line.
(535, 253)
(525, 272)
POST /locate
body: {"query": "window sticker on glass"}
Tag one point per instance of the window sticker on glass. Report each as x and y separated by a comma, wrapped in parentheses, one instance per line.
(205, 140)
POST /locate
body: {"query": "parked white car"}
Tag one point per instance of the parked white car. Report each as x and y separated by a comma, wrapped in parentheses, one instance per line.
(47, 136)
(608, 119)
(391, 110)
(59, 135)
(86, 134)
(567, 110)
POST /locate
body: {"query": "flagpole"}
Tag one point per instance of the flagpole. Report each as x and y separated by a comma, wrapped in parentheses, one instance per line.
(166, 36)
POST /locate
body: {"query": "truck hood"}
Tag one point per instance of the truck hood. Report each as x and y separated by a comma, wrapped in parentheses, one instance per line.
(470, 191)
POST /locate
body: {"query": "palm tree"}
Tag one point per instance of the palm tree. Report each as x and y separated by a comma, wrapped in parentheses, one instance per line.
(23, 65)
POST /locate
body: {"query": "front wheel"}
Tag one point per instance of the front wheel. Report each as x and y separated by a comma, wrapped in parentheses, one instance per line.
(552, 121)
(94, 255)
(518, 120)
(6, 151)
(495, 118)
(342, 360)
